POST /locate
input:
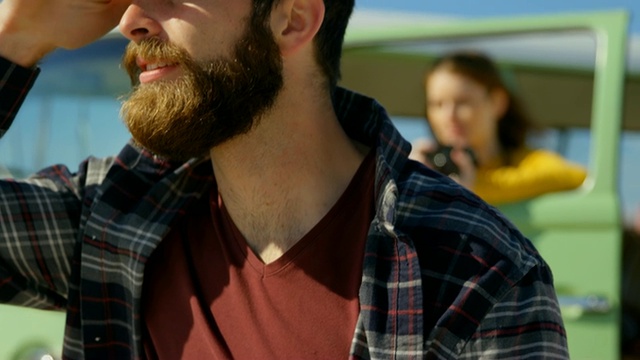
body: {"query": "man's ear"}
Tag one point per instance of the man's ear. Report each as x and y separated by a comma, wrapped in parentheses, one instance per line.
(295, 23)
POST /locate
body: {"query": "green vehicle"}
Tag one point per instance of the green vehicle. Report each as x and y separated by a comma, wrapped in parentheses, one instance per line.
(578, 232)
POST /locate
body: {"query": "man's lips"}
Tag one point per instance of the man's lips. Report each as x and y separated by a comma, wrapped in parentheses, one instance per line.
(152, 70)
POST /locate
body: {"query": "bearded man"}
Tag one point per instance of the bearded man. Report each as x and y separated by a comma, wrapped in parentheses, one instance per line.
(260, 210)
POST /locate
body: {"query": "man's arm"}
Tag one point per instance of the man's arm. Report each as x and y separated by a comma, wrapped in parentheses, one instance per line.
(40, 217)
(525, 323)
(15, 83)
(30, 29)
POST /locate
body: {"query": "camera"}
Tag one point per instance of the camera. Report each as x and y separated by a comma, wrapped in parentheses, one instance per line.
(441, 160)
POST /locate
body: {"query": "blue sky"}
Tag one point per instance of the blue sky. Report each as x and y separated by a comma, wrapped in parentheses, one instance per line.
(485, 8)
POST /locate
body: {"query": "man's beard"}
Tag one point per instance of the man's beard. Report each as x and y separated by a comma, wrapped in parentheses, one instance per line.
(212, 101)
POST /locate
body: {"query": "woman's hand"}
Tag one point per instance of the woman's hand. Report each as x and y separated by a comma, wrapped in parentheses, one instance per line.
(30, 29)
(467, 169)
(466, 175)
(420, 149)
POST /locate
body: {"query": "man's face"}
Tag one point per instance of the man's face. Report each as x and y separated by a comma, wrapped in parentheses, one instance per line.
(209, 102)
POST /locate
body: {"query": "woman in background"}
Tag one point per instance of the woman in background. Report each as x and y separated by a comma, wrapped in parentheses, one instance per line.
(472, 111)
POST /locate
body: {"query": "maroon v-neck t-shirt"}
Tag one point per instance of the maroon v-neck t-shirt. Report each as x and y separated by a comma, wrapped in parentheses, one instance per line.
(208, 296)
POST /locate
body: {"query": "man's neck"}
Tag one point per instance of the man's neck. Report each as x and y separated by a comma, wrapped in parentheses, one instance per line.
(279, 180)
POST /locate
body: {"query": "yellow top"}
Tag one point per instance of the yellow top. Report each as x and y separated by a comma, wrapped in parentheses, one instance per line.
(533, 173)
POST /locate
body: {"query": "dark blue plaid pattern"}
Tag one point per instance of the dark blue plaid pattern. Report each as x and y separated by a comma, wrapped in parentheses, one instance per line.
(445, 275)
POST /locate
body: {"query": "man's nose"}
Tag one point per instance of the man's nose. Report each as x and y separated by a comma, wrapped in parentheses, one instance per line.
(136, 24)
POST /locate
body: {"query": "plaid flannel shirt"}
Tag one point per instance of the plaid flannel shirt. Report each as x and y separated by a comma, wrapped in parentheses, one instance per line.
(445, 275)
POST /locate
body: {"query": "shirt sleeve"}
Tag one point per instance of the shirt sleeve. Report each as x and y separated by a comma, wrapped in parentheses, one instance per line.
(15, 83)
(39, 224)
(525, 323)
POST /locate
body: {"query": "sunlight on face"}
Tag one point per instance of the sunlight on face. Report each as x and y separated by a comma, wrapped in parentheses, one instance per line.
(460, 111)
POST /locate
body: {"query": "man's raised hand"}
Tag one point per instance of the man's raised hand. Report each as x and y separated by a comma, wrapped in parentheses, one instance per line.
(30, 29)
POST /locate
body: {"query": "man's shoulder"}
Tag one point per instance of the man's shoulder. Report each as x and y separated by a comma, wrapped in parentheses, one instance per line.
(476, 268)
(440, 215)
